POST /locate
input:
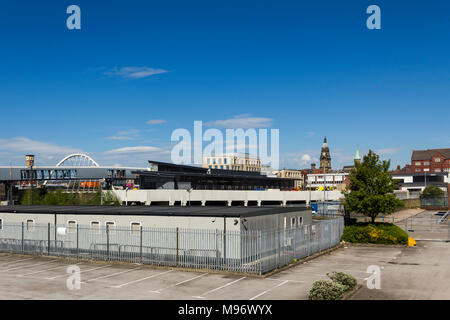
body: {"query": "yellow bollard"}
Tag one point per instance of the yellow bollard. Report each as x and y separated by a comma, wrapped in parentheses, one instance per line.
(411, 242)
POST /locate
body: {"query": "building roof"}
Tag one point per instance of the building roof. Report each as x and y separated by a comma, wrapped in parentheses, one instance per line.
(418, 155)
(187, 211)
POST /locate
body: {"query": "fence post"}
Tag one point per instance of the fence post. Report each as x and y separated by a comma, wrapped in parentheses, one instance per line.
(278, 247)
(177, 238)
(107, 242)
(224, 241)
(78, 244)
(140, 244)
(23, 248)
(295, 244)
(48, 235)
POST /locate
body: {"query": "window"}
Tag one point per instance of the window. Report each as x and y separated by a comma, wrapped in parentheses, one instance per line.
(225, 161)
(293, 222)
(208, 161)
(437, 159)
(30, 225)
(418, 163)
(71, 226)
(111, 226)
(135, 228)
(1, 224)
(95, 226)
(300, 221)
(426, 163)
(437, 170)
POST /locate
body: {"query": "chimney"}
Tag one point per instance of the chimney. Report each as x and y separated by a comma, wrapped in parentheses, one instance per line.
(313, 166)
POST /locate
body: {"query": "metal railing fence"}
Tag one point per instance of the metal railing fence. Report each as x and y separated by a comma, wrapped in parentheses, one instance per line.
(254, 252)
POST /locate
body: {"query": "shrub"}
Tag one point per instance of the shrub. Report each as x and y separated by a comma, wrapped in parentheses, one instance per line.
(378, 233)
(348, 281)
(326, 290)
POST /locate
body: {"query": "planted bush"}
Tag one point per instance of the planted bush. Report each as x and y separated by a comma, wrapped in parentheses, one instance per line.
(326, 290)
(378, 233)
(348, 281)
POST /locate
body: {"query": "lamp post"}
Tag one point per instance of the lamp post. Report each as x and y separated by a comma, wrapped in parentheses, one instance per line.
(29, 159)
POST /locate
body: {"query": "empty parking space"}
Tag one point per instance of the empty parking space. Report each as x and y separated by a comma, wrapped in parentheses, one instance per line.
(32, 277)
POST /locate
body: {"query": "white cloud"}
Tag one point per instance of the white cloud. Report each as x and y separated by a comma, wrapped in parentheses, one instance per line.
(155, 121)
(125, 135)
(138, 149)
(134, 72)
(241, 121)
(386, 151)
(306, 158)
(26, 145)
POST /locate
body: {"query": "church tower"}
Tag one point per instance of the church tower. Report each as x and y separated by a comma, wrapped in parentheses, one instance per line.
(325, 158)
(357, 158)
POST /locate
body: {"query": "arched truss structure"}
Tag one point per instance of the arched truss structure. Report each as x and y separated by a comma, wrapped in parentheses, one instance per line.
(77, 160)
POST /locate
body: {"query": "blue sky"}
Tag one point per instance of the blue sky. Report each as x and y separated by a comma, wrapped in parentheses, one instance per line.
(137, 70)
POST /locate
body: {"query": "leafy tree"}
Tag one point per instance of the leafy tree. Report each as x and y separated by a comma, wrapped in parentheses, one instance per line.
(371, 188)
(431, 191)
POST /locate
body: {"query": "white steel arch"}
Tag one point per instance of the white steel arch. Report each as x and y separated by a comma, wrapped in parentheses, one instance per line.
(78, 160)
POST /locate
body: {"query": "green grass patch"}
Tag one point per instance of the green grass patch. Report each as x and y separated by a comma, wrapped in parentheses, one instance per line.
(377, 233)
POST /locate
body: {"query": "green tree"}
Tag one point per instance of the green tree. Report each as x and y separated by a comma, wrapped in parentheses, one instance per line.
(432, 192)
(371, 188)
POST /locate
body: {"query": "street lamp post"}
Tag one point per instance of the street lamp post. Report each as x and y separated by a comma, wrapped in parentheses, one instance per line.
(29, 159)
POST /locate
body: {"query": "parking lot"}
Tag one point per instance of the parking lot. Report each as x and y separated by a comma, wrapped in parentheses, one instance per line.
(420, 272)
(33, 277)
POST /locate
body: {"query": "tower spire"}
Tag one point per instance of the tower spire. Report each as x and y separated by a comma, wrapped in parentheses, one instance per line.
(325, 158)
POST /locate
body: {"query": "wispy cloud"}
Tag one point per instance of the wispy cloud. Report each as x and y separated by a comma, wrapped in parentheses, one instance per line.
(125, 135)
(26, 145)
(134, 72)
(137, 149)
(241, 121)
(386, 151)
(156, 121)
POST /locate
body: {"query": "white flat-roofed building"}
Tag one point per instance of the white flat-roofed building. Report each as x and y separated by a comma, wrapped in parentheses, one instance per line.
(332, 181)
(234, 161)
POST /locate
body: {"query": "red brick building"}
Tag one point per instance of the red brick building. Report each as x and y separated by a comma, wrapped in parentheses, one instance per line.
(430, 160)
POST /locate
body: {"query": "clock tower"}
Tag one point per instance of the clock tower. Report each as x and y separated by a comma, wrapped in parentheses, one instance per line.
(325, 158)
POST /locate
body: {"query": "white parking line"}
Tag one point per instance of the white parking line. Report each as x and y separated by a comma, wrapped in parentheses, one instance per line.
(28, 266)
(26, 274)
(111, 275)
(264, 292)
(216, 289)
(177, 284)
(281, 280)
(12, 262)
(82, 271)
(139, 280)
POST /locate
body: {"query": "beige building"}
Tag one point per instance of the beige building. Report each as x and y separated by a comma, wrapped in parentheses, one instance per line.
(236, 162)
(297, 175)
